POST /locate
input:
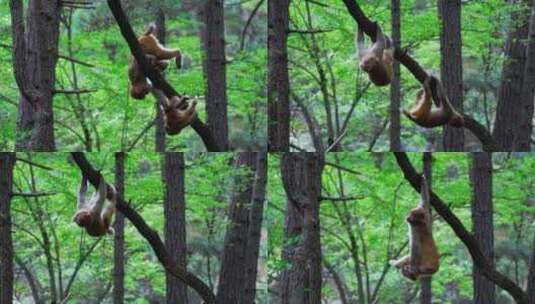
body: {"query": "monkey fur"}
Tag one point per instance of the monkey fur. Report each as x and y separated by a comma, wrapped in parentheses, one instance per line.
(150, 45)
(421, 112)
(93, 215)
(377, 60)
(158, 57)
(422, 244)
(140, 87)
(178, 113)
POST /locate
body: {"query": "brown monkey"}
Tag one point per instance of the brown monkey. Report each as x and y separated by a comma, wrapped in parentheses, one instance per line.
(424, 259)
(178, 113)
(378, 59)
(150, 45)
(421, 112)
(92, 215)
(158, 57)
(140, 87)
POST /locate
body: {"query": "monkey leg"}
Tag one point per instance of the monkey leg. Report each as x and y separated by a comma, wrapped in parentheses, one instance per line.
(401, 262)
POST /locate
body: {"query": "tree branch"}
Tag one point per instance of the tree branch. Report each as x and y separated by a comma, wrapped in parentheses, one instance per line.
(155, 77)
(369, 27)
(147, 232)
(478, 258)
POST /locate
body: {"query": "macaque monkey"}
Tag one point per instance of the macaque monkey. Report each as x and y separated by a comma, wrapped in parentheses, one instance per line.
(424, 259)
(178, 113)
(92, 215)
(421, 112)
(150, 45)
(158, 57)
(140, 87)
(377, 60)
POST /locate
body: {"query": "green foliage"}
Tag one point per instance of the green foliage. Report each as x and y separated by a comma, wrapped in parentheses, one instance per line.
(209, 182)
(375, 217)
(109, 113)
(332, 29)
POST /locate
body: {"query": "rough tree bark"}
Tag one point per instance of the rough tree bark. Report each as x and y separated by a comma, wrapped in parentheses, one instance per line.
(35, 54)
(482, 221)
(175, 223)
(451, 67)
(278, 79)
(531, 275)
(301, 175)
(426, 293)
(148, 233)
(255, 229)
(525, 128)
(231, 275)
(478, 258)
(509, 93)
(395, 87)
(215, 69)
(7, 162)
(118, 240)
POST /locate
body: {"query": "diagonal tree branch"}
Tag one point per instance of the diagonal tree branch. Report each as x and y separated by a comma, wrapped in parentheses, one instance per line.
(155, 77)
(147, 232)
(478, 258)
(370, 28)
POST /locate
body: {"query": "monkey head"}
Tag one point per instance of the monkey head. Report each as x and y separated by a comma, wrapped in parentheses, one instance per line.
(83, 218)
(369, 62)
(417, 216)
(139, 91)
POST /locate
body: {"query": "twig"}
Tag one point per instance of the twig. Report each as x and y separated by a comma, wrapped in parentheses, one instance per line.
(33, 194)
(80, 91)
(335, 143)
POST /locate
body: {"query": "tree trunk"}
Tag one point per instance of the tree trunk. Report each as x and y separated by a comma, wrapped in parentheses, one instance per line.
(507, 109)
(426, 293)
(525, 128)
(7, 162)
(395, 87)
(160, 129)
(118, 248)
(301, 174)
(35, 54)
(231, 275)
(278, 79)
(483, 227)
(255, 229)
(531, 275)
(214, 65)
(175, 223)
(451, 67)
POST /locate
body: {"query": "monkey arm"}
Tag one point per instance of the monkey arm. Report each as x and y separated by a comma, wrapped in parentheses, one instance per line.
(81, 193)
(379, 45)
(99, 198)
(359, 43)
(109, 210)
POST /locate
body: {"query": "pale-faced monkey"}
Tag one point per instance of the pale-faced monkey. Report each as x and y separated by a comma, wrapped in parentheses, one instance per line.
(93, 215)
(424, 259)
(421, 112)
(178, 113)
(376, 60)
